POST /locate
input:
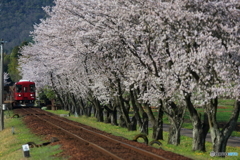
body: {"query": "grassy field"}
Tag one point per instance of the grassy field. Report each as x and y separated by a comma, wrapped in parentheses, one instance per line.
(11, 144)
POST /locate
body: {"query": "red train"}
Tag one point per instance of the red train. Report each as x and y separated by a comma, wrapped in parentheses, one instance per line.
(24, 93)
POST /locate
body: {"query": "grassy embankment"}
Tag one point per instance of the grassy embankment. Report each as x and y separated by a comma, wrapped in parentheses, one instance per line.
(184, 148)
(11, 144)
(224, 112)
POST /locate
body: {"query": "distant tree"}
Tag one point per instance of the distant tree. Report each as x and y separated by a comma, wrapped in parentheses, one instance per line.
(13, 67)
(6, 62)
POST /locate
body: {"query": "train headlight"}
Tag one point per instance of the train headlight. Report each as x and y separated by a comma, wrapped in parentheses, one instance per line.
(19, 95)
(32, 95)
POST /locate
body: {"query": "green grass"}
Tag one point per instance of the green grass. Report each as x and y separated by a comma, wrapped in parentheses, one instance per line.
(184, 148)
(224, 113)
(226, 102)
(11, 144)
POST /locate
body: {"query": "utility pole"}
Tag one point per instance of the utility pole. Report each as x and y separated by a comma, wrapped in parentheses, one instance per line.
(1, 88)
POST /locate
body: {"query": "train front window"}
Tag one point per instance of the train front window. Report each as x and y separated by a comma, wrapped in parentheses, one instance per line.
(18, 88)
(25, 89)
(32, 88)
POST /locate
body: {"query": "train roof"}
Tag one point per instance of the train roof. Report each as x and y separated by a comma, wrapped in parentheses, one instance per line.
(25, 81)
(22, 80)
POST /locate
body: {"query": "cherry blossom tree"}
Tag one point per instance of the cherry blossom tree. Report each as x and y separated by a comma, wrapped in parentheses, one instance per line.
(169, 54)
(187, 36)
(224, 69)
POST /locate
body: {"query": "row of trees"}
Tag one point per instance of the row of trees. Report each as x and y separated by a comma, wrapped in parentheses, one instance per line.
(122, 54)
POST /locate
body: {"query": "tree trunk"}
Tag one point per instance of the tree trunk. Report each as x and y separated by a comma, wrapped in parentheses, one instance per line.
(72, 104)
(220, 137)
(122, 122)
(174, 133)
(56, 92)
(199, 133)
(175, 114)
(157, 123)
(107, 118)
(77, 111)
(89, 110)
(200, 128)
(113, 115)
(53, 105)
(144, 128)
(133, 124)
(97, 108)
(134, 106)
(158, 129)
(110, 114)
(205, 128)
(81, 106)
(99, 111)
(136, 92)
(123, 109)
(65, 102)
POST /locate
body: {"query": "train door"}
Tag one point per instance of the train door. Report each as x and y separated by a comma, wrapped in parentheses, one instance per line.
(25, 92)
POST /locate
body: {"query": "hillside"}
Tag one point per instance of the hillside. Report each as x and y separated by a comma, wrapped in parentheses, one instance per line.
(17, 20)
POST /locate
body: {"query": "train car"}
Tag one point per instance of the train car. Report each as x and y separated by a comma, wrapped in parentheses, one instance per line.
(24, 93)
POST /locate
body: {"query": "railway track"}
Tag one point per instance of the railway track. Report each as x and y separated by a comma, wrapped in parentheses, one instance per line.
(91, 142)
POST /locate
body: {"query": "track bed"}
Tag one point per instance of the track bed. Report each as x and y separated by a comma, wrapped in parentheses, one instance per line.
(83, 142)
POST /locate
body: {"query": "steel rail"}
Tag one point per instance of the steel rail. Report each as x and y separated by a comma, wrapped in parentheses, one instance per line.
(102, 150)
(136, 149)
(121, 143)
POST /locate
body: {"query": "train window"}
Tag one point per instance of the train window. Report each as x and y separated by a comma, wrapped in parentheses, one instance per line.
(25, 89)
(18, 88)
(32, 88)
